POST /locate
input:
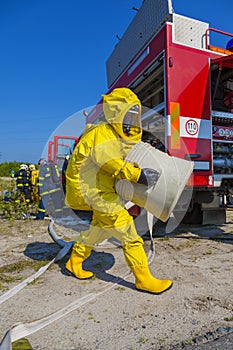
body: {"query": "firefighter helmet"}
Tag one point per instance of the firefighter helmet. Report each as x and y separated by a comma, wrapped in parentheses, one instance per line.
(23, 167)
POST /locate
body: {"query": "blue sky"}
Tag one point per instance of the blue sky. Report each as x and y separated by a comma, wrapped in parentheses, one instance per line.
(52, 62)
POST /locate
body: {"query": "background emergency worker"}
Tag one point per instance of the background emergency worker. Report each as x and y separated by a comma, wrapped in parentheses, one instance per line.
(34, 179)
(96, 163)
(22, 184)
(63, 172)
(49, 189)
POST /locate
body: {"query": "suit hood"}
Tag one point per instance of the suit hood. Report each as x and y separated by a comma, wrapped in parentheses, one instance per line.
(116, 105)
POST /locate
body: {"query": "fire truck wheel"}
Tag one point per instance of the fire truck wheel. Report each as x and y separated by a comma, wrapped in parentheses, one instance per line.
(194, 216)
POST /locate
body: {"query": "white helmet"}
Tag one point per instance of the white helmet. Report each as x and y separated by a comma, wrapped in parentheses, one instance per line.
(23, 167)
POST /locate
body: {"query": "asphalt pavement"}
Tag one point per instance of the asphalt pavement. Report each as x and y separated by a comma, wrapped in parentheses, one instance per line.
(211, 341)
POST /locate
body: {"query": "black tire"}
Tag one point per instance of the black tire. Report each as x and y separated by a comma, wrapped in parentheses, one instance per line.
(193, 217)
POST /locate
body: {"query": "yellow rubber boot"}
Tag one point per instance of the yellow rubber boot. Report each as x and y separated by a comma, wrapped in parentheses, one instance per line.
(79, 253)
(137, 261)
(146, 282)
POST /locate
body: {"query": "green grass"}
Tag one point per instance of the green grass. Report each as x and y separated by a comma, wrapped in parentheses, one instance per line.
(11, 273)
(12, 209)
(21, 265)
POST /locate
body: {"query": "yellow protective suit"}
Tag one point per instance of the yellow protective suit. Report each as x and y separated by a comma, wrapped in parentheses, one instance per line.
(96, 163)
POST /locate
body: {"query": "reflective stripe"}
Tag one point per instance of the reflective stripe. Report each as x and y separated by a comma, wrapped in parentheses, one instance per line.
(41, 210)
(55, 190)
(201, 165)
(51, 191)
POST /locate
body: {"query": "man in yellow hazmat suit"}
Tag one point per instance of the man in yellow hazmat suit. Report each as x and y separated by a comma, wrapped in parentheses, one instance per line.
(96, 163)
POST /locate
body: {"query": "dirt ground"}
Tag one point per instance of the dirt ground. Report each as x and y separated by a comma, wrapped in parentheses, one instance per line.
(110, 313)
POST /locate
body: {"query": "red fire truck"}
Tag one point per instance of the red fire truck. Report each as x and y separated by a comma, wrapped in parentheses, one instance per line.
(186, 83)
(60, 149)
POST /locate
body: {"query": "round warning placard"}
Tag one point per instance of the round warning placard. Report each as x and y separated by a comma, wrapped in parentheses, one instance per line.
(191, 127)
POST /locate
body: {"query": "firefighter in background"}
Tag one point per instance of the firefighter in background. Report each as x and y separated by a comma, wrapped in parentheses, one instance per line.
(96, 163)
(65, 165)
(22, 184)
(65, 210)
(63, 172)
(49, 189)
(34, 179)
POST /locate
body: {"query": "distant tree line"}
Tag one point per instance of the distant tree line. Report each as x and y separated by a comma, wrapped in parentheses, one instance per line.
(7, 167)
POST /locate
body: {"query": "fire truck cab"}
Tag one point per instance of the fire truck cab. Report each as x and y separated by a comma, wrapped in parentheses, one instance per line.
(60, 149)
(185, 84)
